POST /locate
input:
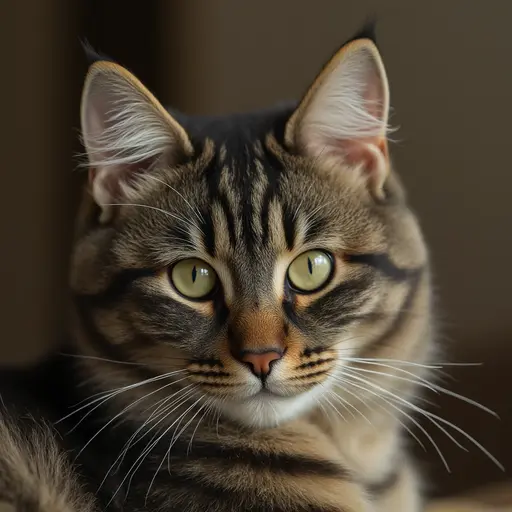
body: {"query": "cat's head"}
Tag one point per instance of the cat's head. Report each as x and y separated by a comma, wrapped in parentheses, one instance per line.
(250, 258)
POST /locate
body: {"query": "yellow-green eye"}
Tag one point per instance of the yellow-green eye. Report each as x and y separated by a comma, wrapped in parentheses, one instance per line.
(310, 271)
(193, 278)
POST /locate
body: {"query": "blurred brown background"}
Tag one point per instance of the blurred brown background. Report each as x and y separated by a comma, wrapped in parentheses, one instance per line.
(451, 82)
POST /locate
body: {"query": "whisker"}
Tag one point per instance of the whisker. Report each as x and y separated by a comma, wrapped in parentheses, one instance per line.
(356, 397)
(387, 365)
(129, 444)
(208, 410)
(418, 425)
(376, 403)
(195, 211)
(403, 401)
(127, 408)
(433, 365)
(348, 404)
(103, 399)
(335, 409)
(417, 380)
(165, 409)
(322, 406)
(302, 201)
(397, 361)
(397, 399)
(436, 388)
(112, 391)
(155, 208)
(130, 363)
(138, 462)
(175, 438)
(470, 438)
(433, 417)
(96, 358)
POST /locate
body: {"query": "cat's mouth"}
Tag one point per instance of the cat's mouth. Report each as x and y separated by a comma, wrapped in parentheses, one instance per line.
(256, 400)
(268, 406)
(282, 382)
(266, 393)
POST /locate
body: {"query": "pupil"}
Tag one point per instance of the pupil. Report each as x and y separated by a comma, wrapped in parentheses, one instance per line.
(310, 266)
(194, 274)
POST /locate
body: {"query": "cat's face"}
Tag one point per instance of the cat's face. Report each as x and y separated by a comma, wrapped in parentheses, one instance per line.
(256, 258)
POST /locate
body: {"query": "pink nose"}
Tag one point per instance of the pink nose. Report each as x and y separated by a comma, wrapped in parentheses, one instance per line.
(260, 362)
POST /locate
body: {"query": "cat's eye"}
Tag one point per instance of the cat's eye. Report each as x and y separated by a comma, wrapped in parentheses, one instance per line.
(310, 271)
(193, 278)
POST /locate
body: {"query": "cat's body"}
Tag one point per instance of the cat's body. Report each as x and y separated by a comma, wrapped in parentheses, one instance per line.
(235, 373)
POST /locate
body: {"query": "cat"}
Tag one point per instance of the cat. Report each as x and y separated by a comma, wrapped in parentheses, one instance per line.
(252, 318)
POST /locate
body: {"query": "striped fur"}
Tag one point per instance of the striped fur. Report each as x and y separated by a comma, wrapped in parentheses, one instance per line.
(182, 424)
(35, 475)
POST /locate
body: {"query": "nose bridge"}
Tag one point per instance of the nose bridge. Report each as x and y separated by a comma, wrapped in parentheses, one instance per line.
(254, 281)
(257, 331)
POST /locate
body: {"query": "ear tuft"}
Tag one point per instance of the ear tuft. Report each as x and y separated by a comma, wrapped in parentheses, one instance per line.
(343, 118)
(367, 31)
(93, 55)
(125, 132)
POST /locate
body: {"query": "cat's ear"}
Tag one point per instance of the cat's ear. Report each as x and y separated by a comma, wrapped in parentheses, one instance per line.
(343, 118)
(125, 132)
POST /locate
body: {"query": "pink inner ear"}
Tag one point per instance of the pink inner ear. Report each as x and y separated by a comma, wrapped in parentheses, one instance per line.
(373, 97)
(106, 184)
(363, 151)
(109, 180)
(92, 176)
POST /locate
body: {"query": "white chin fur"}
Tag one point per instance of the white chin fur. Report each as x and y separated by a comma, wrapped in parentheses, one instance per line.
(266, 410)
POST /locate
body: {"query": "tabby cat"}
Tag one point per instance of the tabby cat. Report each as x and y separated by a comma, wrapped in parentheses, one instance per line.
(251, 312)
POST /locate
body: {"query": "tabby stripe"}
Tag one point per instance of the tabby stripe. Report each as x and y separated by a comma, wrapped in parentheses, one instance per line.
(317, 350)
(248, 231)
(273, 168)
(177, 236)
(212, 177)
(230, 219)
(274, 164)
(277, 462)
(118, 285)
(402, 315)
(307, 376)
(210, 373)
(337, 306)
(289, 309)
(101, 344)
(289, 227)
(314, 363)
(208, 232)
(267, 198)
(217, 384)
(382, 263)
(315, 228)
(245, 193)
(85, 303)
(198, 488)
(208, 362)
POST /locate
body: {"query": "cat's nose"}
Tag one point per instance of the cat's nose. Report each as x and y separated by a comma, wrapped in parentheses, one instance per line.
(261, 362)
